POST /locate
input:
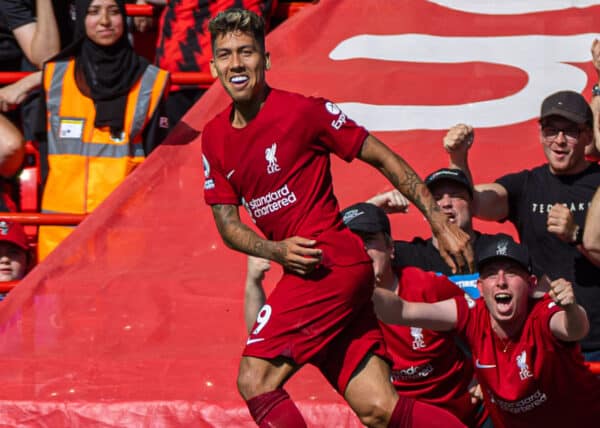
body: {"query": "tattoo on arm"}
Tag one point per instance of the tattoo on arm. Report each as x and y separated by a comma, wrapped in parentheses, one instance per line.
(409, 186)
(400, 174)
(240, 237)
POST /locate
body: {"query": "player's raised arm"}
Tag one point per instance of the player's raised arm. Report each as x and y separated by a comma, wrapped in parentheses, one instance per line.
(454, 244)
(572, 324)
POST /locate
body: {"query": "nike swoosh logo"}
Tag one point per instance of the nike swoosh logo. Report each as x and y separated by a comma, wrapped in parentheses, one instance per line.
(230, 173)
(251, 341)
(484, 366)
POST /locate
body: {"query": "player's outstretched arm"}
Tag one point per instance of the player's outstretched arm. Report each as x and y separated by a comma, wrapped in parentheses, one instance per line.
(454, 244)
(296, 253)
(391, 309)
(572, 324)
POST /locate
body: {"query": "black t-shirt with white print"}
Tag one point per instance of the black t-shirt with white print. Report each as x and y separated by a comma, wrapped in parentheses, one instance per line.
(531, 195)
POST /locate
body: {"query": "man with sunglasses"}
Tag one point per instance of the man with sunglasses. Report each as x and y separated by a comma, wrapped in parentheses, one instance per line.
(548, 204)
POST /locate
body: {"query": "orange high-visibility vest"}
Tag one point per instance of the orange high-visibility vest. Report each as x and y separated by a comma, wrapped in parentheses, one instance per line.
(86, 163)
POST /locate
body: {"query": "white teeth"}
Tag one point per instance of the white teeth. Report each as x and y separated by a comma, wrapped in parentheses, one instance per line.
(239, 79)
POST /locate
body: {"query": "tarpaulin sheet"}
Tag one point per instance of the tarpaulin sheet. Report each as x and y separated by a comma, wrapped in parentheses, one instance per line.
(136, 319)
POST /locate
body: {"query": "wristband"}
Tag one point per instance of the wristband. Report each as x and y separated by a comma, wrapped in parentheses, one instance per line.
(595, 90)
(578, 236)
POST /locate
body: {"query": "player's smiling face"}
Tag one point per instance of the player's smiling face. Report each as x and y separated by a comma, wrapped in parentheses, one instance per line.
(565, 144)
(504, 285)
(240, 63)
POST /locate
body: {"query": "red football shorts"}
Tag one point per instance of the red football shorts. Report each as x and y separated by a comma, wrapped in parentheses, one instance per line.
(326, 319)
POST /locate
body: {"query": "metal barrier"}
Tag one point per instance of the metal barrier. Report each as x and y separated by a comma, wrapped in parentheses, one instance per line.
(181, 78)
(41, 219)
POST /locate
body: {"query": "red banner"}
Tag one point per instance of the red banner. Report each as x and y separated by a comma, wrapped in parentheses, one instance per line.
(136, 319)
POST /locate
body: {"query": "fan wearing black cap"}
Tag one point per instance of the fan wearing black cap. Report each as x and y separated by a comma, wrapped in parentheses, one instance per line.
(453, 193)
(426, 365)
(548, 204)
(525, 350)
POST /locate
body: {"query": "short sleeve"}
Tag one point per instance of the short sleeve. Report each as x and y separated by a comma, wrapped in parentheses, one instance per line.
(544, 310)
(17, 13)
(514, 185)
(466, 307)
(446, 289)
(217, 189)
(335, 131)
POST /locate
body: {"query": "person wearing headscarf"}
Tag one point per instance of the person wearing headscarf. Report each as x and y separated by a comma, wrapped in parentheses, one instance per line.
(104, 114)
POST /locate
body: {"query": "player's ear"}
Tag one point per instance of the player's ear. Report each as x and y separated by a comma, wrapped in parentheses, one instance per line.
(267, 61)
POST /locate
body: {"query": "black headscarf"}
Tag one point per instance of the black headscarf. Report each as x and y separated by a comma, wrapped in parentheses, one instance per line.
(104, 73)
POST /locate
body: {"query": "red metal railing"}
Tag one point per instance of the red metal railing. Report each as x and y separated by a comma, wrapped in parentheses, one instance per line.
(182, 78)
(41, 219)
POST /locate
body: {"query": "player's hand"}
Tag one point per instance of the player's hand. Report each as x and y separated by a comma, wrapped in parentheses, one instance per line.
(298, 255)
(391, 202)
(596, 55)
(458, 139)
(454, 245)
(561, 223)
(257, 267)
(561, 291)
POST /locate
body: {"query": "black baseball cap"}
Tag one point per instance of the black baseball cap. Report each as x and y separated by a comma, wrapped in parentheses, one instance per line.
(365, 217)
(503, 246)
(455, 175)
(568, 104)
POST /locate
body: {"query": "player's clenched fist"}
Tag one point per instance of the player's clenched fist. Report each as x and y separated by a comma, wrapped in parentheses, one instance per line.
(459, 137)
(562, 223)
(561, 291)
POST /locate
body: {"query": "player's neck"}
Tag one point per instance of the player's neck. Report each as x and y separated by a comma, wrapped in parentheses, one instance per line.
(244, 112)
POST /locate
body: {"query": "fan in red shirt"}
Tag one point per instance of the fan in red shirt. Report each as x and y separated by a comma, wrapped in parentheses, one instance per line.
(426, 365)
(527, 360)
(270, 152)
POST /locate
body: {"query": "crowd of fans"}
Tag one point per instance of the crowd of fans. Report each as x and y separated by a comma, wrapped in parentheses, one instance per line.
(445, 347)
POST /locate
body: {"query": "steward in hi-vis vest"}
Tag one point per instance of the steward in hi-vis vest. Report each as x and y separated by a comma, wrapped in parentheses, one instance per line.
(86, 163)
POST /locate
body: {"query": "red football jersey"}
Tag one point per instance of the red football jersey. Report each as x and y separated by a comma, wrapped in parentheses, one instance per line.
(278, 166)
(534, 381)
(428, 365)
